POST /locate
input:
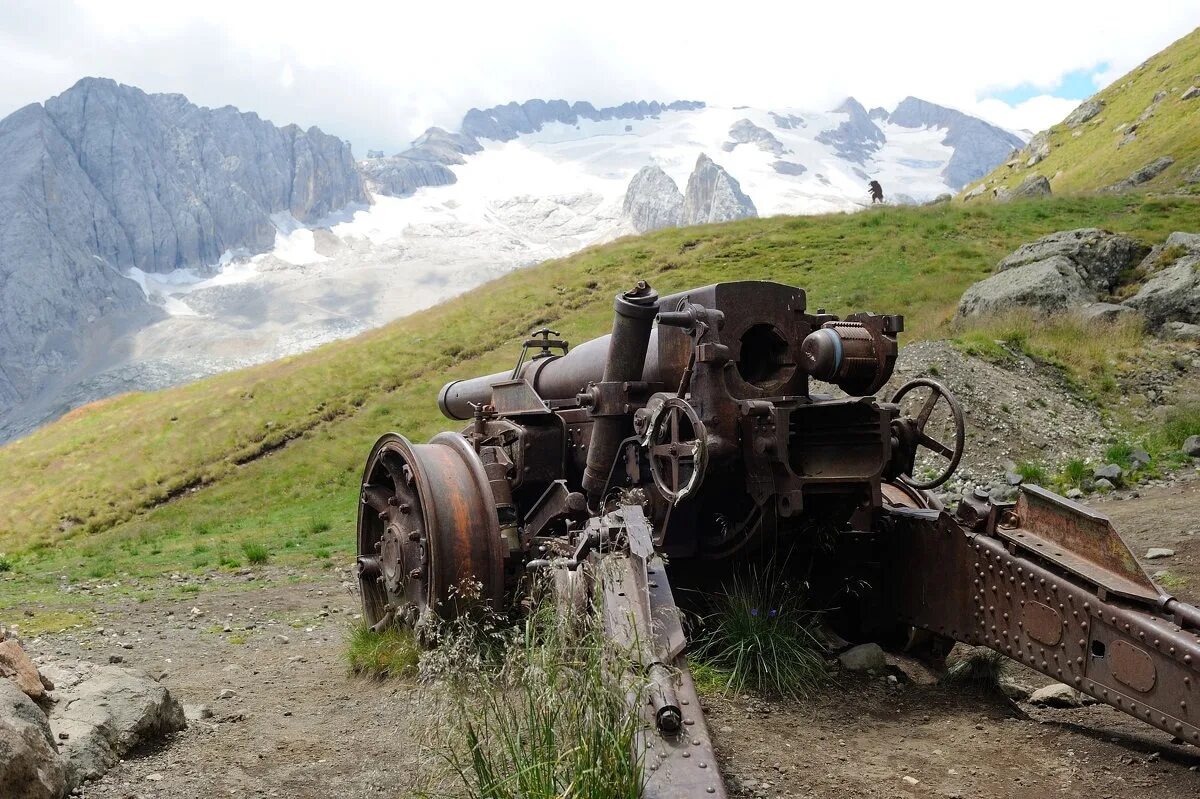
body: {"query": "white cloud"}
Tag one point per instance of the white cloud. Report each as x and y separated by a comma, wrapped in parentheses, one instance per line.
(1034, 114)
(378, 73)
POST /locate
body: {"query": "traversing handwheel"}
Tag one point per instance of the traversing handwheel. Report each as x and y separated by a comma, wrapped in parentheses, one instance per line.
(953, 454)
(678, 449)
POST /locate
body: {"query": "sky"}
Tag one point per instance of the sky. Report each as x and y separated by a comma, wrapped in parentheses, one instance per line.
(378, 74)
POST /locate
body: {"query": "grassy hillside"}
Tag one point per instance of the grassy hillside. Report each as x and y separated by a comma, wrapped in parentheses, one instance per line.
(204, 475)
(1092, 157)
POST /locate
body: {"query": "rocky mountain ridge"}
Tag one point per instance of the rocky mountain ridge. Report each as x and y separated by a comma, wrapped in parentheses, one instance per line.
(516, 184)
(104, 179)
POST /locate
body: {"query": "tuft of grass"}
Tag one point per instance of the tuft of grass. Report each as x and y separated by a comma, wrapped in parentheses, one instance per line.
(1032, 473)
(760, 635)
(6, 563)
(1090, 354)
(552, 721)
(1180, 423)
(979, 670)
(391, 653)
(1171, 580)
(1119, 454)
(255, 553)
(1074, 473)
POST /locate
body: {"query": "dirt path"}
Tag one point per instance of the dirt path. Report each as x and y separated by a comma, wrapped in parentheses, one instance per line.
(298, 726)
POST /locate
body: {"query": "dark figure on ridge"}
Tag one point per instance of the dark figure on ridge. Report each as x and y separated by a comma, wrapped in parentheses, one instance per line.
(876, 192)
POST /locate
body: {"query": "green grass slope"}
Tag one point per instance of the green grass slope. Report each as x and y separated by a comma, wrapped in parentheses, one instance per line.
(1091, 157)
(264, 463)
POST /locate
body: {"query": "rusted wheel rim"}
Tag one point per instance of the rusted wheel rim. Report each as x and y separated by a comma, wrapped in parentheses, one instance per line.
(428, 535)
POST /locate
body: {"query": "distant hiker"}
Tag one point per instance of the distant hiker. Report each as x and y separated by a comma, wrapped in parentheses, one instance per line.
(876, 192)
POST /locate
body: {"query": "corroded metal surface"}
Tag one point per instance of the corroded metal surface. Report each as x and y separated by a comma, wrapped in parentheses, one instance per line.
(697, 437)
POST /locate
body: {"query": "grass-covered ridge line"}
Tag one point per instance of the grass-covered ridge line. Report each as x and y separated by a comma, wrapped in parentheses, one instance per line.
(84, 496)
(1092, 160)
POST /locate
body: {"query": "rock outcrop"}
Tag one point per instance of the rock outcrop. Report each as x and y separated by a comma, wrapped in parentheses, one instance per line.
(1031, 187)
(30, 766)
(788, 121)
(426, 163)
(1143, 175)
(506, 122)
(1172, 292)
(1056, 273)
(978, 146)
(713, 195)
(856, 138)
(1097, 255)
(1047, 286)
(746, 132)
(788, 167)
(400, 176)
(108, 715)
(653, 200)
(17, 668)
(104, 178)
(1085, 111)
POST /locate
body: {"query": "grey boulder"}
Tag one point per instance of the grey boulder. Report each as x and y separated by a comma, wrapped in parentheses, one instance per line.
(1056, 695)
(1086, 110)
(713, 195)
(1109, 471)
(30, 766)
(1143, 175)
(1031, 187)
(1098, 255)
(1179, 331)
(107, 715)
(1171, 294)
(1103, 312)
(864, 658)
(653, 200)
(1191, 446)
(1046, 286)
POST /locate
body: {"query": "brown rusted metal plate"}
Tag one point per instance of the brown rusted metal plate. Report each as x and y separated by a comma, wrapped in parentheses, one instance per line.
(682, 765)
(1043, 623)
(1077, 539)
(1132, 666)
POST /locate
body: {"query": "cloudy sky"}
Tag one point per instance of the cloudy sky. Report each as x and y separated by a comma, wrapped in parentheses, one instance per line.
(379, 73)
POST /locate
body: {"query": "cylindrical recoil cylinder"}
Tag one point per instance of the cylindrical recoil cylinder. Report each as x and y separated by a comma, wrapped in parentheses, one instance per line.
(848, 355)
(627, 346)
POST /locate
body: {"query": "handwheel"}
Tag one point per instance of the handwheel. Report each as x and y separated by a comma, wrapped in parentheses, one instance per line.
(678, 448)
(428, 533)
(922, 439)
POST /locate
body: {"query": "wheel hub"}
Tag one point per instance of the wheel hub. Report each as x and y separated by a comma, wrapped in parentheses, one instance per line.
(426, 524)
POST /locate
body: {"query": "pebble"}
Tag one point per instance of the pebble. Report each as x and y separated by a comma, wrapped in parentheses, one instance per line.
(280, 638)
(1154, 553)
(227, 693)
(910, 779)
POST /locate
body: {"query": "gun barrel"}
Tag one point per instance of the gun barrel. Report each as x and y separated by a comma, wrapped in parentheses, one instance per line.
(558, 377)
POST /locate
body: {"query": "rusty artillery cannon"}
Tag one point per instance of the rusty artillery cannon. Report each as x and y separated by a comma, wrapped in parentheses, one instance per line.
(694, 435)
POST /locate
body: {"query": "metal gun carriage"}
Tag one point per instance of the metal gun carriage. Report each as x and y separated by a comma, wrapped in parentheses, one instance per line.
(727, 423)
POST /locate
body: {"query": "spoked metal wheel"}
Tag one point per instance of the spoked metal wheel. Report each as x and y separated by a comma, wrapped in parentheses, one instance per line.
(428, 534)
